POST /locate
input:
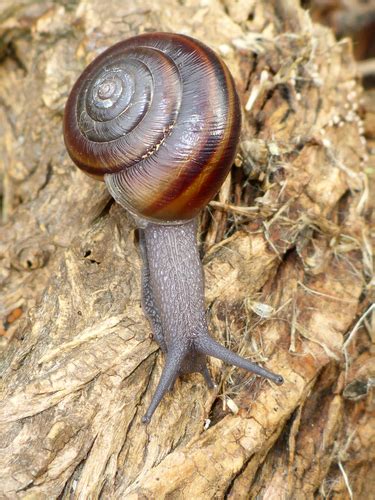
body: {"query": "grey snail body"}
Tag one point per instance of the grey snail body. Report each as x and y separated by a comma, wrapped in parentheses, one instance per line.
(163, 153)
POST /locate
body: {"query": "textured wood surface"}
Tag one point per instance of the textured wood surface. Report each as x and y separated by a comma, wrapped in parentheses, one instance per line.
(287, 259)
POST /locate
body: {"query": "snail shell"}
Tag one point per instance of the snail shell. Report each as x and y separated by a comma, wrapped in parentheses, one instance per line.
(158, 117)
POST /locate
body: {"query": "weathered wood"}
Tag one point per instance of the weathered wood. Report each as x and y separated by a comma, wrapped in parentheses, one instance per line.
(287, 266)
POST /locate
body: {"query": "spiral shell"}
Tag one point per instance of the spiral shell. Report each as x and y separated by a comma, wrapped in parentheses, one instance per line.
(157, 116)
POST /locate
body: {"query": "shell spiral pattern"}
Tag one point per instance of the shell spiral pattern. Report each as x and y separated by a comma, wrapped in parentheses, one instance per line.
(158, 117)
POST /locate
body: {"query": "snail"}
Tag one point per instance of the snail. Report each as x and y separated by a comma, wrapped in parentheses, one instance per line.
(158, 118)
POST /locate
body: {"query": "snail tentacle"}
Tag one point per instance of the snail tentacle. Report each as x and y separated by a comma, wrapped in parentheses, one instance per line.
(169, 374)
(207, 377)
(208, 346)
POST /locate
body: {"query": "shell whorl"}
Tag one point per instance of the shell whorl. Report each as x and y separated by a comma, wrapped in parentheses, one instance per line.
(157, 116)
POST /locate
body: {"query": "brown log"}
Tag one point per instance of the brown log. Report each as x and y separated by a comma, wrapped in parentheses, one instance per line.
(287, 263)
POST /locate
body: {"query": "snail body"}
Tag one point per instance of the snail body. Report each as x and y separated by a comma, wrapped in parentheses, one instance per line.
(158, 118)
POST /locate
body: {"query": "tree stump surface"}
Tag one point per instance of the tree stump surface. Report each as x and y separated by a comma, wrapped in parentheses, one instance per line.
(287, 265)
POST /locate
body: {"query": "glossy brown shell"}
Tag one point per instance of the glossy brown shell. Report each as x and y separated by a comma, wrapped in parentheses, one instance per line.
(157, 116)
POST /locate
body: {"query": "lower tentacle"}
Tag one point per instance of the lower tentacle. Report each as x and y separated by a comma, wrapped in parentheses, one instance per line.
(207, 377)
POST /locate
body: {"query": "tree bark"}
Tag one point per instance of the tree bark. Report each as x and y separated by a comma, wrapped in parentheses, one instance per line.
(287, 264)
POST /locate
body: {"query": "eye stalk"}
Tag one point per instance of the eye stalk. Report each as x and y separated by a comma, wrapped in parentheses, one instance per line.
(158, 118)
